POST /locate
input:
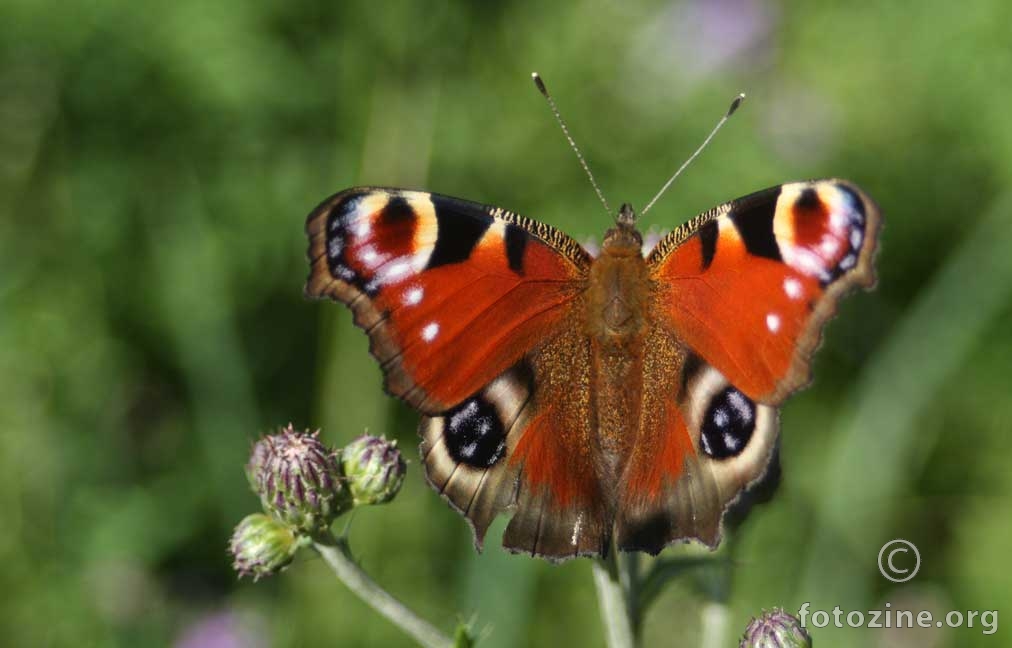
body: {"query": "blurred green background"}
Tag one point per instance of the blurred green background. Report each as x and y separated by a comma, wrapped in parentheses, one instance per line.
(157, 162)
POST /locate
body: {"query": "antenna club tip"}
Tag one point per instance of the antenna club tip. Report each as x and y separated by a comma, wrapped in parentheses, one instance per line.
(538, 82)
(736, 103)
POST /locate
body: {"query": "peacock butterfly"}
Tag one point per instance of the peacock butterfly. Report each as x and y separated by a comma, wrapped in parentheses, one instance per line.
(626, 397)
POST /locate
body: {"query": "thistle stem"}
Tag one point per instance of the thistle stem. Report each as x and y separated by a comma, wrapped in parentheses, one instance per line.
(616, 581)
(337, 555)
(714, 625)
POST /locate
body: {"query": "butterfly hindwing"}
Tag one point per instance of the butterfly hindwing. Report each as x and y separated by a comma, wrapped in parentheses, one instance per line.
(545, 470)
(701, 443)
(451, 293)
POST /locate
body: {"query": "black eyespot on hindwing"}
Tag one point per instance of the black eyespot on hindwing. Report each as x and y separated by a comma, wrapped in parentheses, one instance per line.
(728, 424)
(474, 433)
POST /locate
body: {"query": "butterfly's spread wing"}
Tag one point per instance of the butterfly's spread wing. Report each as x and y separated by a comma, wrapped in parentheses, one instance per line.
(451, 293)
(469, 307)
(749, 285)
(537, 453)
(701, 442)
(743, 291)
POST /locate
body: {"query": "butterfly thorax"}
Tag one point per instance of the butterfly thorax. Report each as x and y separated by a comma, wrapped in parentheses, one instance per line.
(618, 289)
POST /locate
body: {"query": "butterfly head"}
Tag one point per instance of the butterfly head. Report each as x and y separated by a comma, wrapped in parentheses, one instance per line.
(623, 239)
(626, 216)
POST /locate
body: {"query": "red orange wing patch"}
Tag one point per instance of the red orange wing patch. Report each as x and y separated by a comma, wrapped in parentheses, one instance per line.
(749, 285)
(451, 293)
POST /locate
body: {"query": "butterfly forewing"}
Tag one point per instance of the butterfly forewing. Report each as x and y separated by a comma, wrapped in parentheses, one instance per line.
(750, 284)
(451, 293)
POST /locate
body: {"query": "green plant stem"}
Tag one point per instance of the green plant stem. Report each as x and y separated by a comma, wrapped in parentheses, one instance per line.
(616, 582)
(713, 625)
(664, 570)
(337, 555)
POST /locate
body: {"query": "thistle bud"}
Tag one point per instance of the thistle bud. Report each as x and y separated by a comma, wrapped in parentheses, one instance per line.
(262, 546)
(775, 629)
(373, 469)
(297, 479)
(258, 458)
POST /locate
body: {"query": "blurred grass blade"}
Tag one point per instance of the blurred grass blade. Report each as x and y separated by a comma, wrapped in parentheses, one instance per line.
(500, 588)
(201, 327)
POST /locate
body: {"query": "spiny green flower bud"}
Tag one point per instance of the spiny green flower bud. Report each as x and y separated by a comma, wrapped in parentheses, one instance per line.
(297, 479)
(775, 629)
(262, 546)
(373, 469)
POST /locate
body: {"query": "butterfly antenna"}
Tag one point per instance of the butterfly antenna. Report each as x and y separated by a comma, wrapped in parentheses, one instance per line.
(730, 111)
(565, 131)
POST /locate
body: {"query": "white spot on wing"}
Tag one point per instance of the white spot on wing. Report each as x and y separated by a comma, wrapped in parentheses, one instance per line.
(396, 271)
(829, 246)
(371, 258)
(740, 405)
(413, 296)
(792, 287)
(430, 331)
(467, 412)
(855, 238)
(805, 261)
(391, 271)
(773, 322)
(838, 219)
